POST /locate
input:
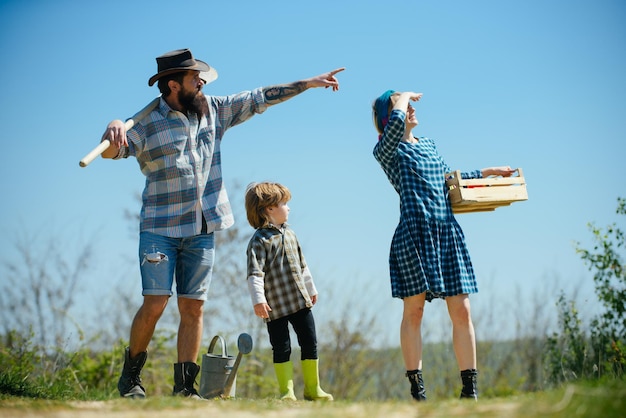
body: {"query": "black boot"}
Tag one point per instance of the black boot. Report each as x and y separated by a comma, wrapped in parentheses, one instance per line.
(184, 379)
(469, 378)
(417, 385)
(129, 384)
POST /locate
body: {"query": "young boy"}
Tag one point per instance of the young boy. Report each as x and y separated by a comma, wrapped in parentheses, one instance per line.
(281, 287)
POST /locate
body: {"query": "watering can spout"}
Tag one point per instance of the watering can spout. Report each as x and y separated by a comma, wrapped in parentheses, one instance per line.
(244, 344)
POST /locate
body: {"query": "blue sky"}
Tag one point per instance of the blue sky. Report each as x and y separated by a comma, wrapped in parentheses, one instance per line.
(534, 84)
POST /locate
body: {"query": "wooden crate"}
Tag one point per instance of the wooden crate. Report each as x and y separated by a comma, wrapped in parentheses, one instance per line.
(486, 194)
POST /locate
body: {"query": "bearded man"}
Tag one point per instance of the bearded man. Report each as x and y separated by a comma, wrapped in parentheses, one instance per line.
(177, 147)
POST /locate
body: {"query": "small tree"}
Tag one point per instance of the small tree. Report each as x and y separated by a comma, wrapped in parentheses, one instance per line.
(606, 260)
(39, 289)
(566, 352)
(350, 370)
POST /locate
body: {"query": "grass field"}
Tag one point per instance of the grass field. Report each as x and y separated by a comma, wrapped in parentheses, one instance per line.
(571, 401)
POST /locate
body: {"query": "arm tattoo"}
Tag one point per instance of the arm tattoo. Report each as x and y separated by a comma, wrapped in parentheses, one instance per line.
(282, 92)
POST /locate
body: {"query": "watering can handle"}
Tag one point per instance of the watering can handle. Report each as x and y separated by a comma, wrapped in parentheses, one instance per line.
(212, 345)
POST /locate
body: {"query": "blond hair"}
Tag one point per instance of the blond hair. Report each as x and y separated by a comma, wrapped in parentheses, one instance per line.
(260, 196)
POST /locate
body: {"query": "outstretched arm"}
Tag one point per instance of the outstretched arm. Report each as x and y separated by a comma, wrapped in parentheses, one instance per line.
(282, 92)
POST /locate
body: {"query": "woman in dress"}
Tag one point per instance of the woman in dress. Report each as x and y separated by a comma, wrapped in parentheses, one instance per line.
(428, 257)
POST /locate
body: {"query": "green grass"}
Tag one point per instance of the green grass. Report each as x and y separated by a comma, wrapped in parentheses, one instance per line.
(581, 400)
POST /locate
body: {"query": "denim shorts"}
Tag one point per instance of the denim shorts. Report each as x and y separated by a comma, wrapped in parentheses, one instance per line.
(188, 260)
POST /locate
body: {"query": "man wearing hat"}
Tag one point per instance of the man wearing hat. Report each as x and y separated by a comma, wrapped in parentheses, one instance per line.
(177, 147)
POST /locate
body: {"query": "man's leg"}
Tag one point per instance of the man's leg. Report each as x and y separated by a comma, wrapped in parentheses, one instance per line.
(189, 329)
(193, 277)
(129, 384)
(157, 258)
(189, 338)
(144, 323)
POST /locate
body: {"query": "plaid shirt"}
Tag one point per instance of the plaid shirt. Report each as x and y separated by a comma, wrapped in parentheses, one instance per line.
(428, 251)
(275, 257)
(181, 160)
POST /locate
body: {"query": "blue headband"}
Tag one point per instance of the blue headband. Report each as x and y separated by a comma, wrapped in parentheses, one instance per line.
(381, 106)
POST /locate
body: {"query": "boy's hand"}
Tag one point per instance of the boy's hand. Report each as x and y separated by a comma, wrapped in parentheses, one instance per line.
(262, 310)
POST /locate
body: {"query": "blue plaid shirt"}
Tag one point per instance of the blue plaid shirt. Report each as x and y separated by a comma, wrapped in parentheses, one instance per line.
(180, 157)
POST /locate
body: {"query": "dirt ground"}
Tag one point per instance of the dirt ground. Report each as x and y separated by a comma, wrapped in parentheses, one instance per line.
(208, 409)
(196, 409)
(569, 402)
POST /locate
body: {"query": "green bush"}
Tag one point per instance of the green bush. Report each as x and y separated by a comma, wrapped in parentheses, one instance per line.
(20, 368)
(608, 329)
(571, 352)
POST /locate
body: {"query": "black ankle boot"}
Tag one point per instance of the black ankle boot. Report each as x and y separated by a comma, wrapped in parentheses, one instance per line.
(129, 384)
(184, 379)
(417, 385)
(469, 378)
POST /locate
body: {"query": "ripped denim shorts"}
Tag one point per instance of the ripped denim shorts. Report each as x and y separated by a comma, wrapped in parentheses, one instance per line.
(188, 260)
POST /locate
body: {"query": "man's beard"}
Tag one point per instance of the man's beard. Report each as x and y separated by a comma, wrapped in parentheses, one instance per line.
(195, 103)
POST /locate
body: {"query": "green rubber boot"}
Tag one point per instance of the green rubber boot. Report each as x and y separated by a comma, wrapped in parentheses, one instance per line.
(284, 375)
(311, 377)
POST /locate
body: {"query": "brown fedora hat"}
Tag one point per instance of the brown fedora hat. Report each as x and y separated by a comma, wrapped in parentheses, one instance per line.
(182, 60)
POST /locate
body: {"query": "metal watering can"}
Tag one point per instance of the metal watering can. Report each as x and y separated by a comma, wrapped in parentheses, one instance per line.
(219, 372)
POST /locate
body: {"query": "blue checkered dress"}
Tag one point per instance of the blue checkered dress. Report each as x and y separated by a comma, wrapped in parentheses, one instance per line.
(428, 250)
